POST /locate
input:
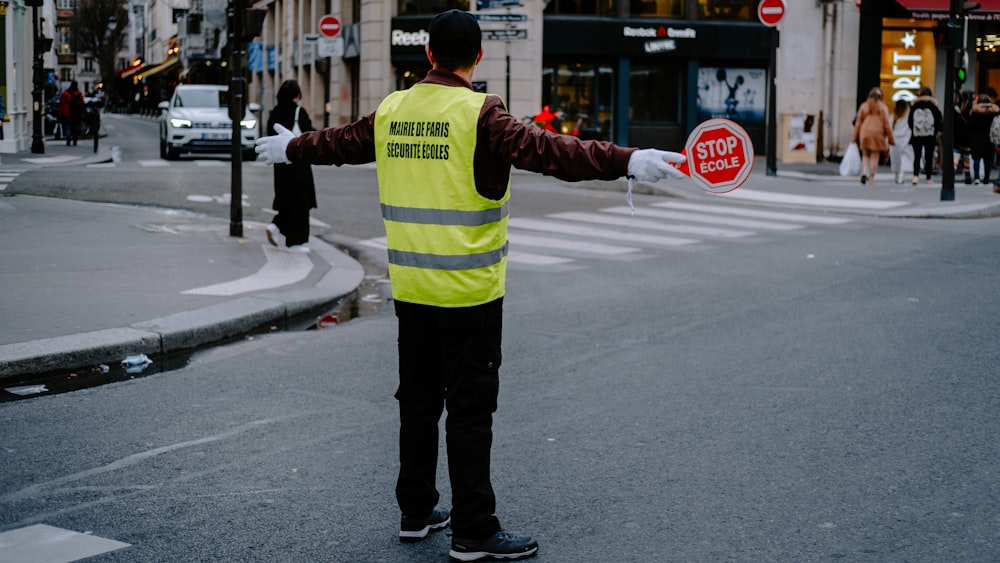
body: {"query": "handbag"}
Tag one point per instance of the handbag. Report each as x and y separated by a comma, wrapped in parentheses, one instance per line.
(851, 164)
(296, 130)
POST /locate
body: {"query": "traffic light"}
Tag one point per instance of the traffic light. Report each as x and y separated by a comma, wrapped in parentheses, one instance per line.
(961, 64)
(947, 35)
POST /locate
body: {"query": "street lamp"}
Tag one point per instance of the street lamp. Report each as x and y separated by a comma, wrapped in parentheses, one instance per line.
(40, 46)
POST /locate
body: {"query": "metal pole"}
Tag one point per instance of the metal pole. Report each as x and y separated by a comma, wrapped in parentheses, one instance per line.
(37, 141)
(236, 113)
(948, 141)
(772, 120)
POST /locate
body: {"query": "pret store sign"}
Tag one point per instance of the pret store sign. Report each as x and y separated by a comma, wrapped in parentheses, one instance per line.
(908, 60)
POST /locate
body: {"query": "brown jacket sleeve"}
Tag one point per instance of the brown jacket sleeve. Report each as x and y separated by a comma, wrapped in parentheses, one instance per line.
(353, 143)
(504, 141)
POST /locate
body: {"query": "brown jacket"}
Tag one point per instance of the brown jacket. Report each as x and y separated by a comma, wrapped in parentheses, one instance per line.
(872, 127)
(503, 141)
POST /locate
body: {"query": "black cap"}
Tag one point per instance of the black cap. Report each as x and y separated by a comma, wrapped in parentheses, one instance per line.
(455, 35)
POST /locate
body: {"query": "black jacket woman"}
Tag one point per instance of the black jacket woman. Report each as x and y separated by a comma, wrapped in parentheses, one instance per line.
(294, 189)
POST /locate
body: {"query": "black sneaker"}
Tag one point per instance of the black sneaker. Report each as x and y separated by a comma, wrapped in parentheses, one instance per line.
(502, 545)
(415, 529)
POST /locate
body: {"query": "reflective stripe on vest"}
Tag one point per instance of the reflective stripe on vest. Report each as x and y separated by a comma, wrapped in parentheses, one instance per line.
(443, 216)
(447, 244)
(439, 262)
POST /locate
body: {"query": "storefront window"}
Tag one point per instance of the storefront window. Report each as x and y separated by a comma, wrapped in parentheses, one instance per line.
(654, 93)
(909, 58)
(732, 10)
(582, 8)
(409, 75)
(413, 7)
(659, 8)
(583, 95)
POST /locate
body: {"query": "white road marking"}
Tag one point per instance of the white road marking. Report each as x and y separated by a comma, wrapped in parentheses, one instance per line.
(739, 211)
(707, 218)
(282, 268)
(518, 239)
(153, 163)
(515, 257)
(51, 159)
(609, 234)
(635, 223)
(41, 543)
(843, 203)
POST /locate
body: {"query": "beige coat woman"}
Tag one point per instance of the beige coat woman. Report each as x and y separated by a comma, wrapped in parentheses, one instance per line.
(873, 133)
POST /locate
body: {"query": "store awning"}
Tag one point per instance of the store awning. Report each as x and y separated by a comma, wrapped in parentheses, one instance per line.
(165, 66)
(127, 72)
(945, 5)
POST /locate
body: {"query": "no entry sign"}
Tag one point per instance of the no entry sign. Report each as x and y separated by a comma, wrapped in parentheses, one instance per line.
(719, 155)
(770, 12)
(329, 26)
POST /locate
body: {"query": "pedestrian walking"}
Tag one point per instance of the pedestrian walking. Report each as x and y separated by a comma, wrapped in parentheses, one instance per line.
(294, 188)
(873, 133)
(443, 154)
(901, 154)
(71, 107)
(925, 126)
(980, 119)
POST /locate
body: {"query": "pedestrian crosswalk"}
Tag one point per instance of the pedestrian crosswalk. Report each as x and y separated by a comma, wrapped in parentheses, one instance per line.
(571, 238)
(7, 175)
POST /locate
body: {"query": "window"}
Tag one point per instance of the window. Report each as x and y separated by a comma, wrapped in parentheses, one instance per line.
(202, 98)
(63, 46)
(738, 10)
(659, 8)
(582, 94)
(582, 7)
(413, 7)
(654, 93)
(88, 64)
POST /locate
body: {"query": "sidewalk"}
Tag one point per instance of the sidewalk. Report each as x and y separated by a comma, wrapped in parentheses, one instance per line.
(88, 284)
(820, 187)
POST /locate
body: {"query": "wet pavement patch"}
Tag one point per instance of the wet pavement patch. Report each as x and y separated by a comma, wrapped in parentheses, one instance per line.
(358, 304)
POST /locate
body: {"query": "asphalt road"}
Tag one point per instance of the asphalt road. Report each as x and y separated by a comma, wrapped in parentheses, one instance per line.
(815, 394)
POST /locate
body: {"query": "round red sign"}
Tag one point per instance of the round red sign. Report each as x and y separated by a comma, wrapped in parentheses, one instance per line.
(770, 12)
(719, 155)
(329, 26)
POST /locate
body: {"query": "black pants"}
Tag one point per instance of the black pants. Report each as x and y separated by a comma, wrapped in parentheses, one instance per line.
(927, 145)
(449, 358)
(294, 225)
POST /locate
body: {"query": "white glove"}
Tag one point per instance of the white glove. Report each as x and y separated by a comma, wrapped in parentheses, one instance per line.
(272, 148)
(650, 165)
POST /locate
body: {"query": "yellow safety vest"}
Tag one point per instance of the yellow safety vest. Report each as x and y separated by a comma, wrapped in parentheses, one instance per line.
(447, 244)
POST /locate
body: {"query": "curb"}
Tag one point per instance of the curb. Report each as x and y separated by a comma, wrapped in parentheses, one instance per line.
(185, 330)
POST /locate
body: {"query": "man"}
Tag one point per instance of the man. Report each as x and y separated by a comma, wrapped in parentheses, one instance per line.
(71, 107)
(443, 156)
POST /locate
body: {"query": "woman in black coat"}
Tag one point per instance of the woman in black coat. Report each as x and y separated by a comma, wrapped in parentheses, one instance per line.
(294, 189)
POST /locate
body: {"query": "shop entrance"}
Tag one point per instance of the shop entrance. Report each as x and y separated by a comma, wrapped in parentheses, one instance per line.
(583, 93)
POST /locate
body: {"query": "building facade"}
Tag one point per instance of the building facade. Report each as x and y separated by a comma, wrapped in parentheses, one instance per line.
(637, 72)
